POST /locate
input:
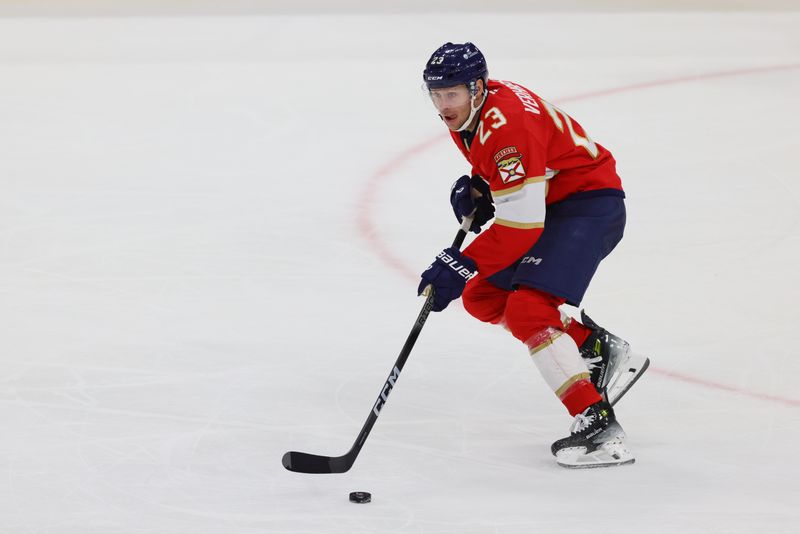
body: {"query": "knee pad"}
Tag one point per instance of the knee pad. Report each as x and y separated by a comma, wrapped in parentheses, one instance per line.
(530, 311)
(485, 301)
(534, 318)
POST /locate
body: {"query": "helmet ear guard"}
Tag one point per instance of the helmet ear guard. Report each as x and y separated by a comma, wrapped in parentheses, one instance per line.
(473, 86)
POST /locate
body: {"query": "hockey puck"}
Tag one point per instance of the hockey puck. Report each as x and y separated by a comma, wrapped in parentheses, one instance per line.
(360, 497)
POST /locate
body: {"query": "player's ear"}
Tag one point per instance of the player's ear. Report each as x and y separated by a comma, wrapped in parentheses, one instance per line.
(481, 87)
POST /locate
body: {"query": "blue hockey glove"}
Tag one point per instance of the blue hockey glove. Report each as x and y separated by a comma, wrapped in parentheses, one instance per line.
(448, 275)
(463, 203)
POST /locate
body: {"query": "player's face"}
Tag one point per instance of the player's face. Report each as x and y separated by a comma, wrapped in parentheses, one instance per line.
(453, 104)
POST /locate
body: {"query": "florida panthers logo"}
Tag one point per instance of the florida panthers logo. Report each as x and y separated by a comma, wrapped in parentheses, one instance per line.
(509, 163)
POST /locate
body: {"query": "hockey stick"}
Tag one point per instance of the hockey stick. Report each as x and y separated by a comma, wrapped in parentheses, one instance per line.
(303, 462)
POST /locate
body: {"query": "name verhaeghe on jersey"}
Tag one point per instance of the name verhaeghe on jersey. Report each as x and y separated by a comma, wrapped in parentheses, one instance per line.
(509, 163)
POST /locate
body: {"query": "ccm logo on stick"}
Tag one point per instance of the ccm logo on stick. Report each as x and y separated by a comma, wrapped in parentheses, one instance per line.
(387, 388)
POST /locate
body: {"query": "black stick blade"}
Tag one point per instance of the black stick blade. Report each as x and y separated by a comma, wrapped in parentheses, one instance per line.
(301, 462)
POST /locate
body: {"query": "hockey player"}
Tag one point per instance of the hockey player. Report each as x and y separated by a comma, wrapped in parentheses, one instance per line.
(558, 209)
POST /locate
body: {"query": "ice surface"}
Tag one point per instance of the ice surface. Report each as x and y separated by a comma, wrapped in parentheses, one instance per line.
(209, 231)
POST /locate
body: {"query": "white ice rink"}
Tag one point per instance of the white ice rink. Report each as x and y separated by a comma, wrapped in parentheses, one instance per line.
(210, 231)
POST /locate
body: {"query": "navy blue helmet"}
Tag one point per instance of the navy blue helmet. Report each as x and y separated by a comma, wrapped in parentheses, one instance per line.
(455, 64)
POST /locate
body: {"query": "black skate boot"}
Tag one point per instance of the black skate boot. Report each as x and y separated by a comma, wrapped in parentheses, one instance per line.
(596, 440)
(613, 366)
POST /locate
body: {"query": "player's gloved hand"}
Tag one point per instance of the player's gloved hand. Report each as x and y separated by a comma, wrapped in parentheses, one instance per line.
(464, 201)
(448, 275)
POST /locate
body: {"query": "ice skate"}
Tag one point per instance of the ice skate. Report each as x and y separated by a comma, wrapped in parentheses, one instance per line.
(596, 440)
(614, 367)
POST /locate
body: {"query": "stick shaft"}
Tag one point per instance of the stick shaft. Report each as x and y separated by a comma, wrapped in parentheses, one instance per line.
(405, 352)
(311, 463)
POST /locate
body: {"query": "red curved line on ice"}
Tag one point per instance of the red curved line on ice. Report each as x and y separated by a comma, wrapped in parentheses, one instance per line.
(724, 387)
(373, 186)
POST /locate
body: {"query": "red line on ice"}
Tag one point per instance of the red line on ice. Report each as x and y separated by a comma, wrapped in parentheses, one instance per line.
(373, 186)
(371, 190)
(723, 387)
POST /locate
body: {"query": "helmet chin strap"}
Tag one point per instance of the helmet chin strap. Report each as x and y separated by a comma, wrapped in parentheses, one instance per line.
(472, 113)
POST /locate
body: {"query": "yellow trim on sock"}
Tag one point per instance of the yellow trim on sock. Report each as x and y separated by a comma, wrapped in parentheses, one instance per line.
(569, 383)
(550, 340)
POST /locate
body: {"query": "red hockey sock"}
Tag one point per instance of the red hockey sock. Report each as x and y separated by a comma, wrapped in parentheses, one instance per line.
(485, 301)
(530, 311)
(580, 396)
(578, 332)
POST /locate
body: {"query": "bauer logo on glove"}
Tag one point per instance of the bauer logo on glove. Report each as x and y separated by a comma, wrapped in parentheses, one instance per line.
(448, 275)
(456, 265)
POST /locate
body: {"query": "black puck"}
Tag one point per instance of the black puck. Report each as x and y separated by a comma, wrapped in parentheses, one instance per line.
(360, 496)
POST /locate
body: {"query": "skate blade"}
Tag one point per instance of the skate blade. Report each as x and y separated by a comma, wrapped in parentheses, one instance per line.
(608, 455)
(625, 376)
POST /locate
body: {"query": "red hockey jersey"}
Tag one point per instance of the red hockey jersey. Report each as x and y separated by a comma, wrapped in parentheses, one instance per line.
(532, 154)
